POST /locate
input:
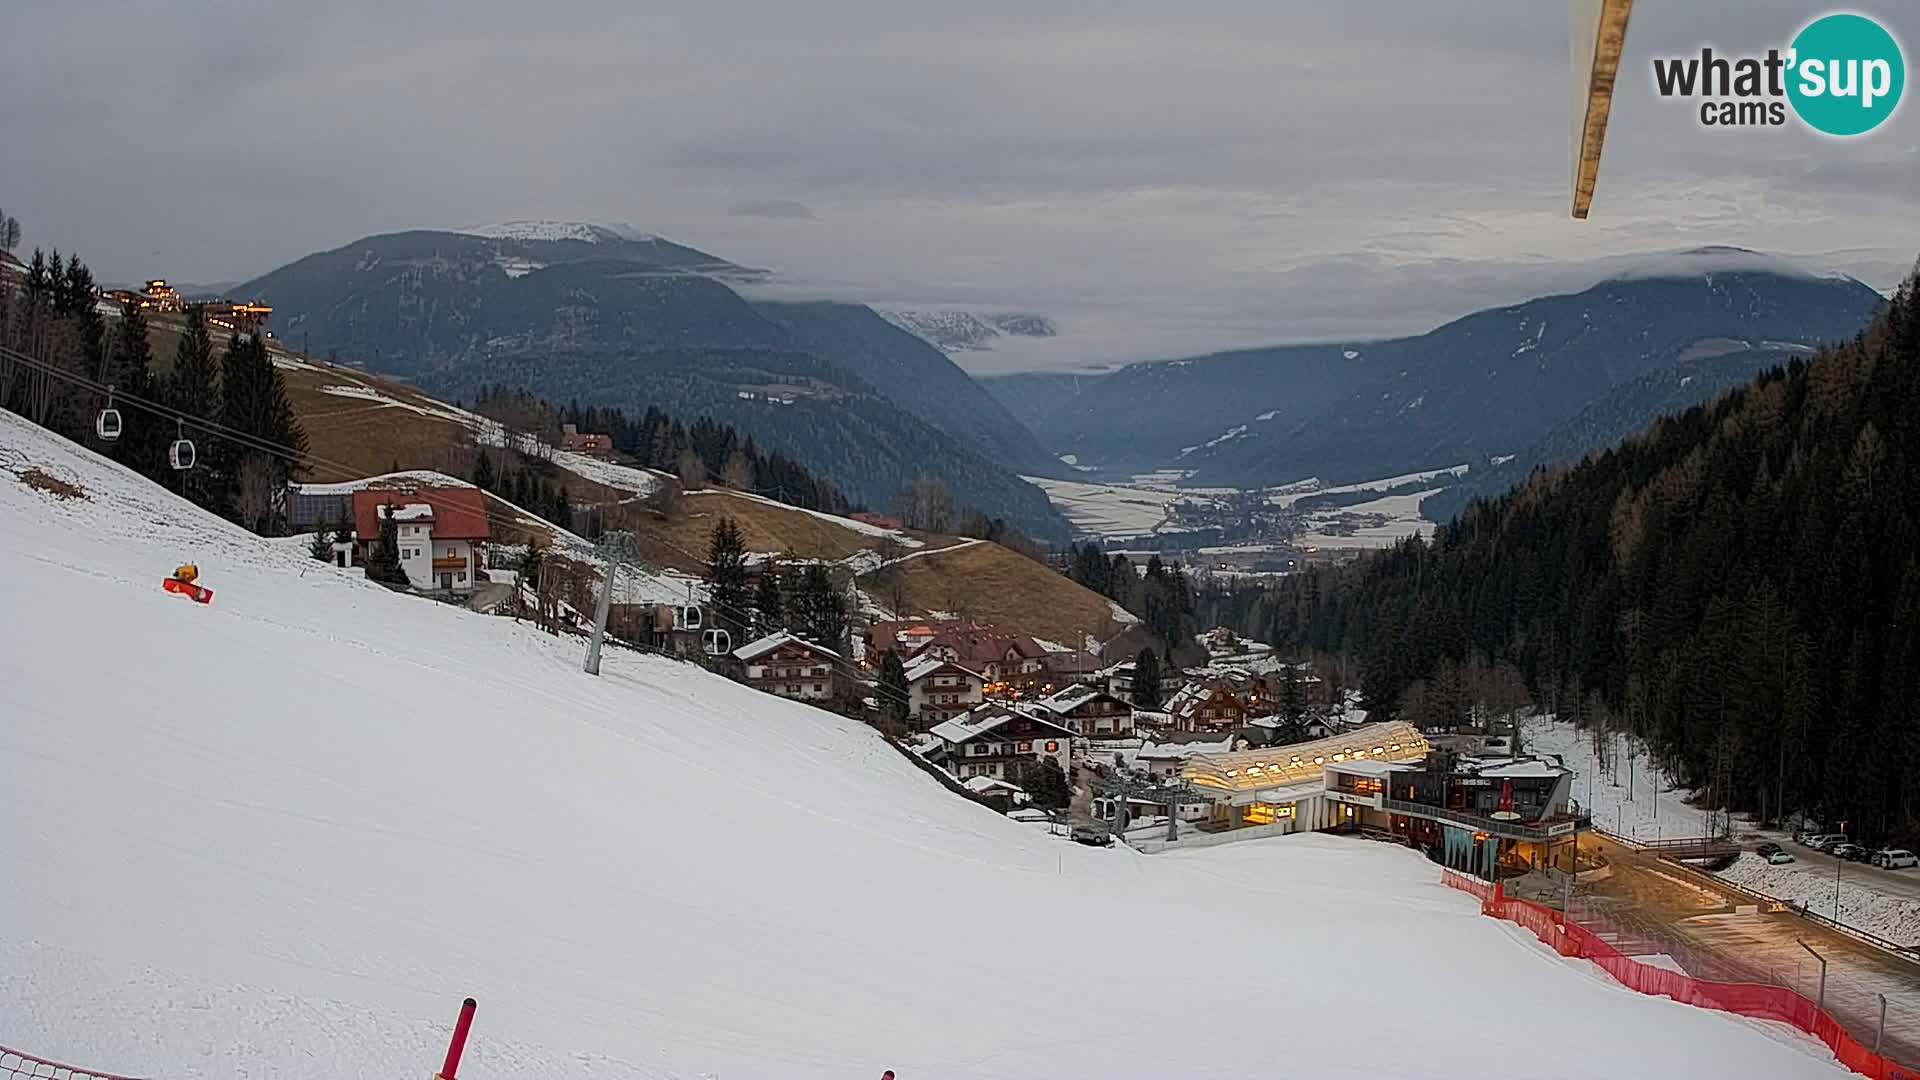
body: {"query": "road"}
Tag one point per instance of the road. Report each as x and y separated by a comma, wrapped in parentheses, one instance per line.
(1655, 907)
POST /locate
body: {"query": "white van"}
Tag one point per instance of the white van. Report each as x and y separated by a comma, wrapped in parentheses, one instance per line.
(1895, 858)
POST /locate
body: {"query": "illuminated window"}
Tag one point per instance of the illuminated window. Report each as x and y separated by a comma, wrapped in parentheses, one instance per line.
(1052, 747)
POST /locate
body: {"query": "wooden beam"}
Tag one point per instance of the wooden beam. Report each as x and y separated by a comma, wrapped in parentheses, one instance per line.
(1598, 36)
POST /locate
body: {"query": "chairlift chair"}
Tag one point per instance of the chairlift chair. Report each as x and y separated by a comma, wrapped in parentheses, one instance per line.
(180, 454)
(107, 424)
(717, 642)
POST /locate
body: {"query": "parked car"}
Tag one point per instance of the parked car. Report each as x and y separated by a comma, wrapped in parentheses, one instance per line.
(1092, 836)
(1850, 852)
(1895, 858)
(1830, 841)
(1780, 857)
(1766, 849)
(1814, 840)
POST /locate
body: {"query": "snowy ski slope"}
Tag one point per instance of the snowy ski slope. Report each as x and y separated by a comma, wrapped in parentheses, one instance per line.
(284, 834)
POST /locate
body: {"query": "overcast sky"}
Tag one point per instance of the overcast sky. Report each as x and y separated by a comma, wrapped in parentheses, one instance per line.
(1160, 178)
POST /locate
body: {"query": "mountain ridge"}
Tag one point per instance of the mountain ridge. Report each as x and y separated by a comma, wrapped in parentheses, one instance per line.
(630, 319)
(1365, 409)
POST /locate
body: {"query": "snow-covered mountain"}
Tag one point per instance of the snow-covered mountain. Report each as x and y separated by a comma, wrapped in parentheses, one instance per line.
(284, 834)
(1489, 384)
(965, 331)
(561, 230)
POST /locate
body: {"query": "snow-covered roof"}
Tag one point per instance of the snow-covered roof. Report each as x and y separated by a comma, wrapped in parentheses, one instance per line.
(1279, 766)
(980, 785)
(1531, 769)
(406, 478)
(756, 649)
(927, 665)
(1061, 701)
(409, 512)
(1181, 751)
(987, 718)
(1370, 767)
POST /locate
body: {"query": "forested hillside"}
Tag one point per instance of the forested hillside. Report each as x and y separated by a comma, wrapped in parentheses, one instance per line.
(1740, 584)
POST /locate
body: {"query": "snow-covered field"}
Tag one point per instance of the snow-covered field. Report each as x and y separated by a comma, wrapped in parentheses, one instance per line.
(1119, 511)
(1402, 519)
(1108, 510)
(1618, 806)
(282, 835)
(1894, 918)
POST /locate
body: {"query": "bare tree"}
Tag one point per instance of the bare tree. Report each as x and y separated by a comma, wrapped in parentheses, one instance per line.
(737, 473)
(664, 499)
(254, 492)
(693, 471)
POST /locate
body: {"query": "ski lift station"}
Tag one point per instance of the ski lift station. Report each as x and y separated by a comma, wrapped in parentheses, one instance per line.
(1386, 779)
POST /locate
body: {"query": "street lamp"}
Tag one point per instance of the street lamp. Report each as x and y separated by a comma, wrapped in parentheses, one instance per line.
(1822, 1003)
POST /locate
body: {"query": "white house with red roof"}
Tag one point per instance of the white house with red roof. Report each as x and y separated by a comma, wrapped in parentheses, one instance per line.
(442, 533)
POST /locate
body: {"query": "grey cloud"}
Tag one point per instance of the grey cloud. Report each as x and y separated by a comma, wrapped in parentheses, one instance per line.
(772, 208)
(1159, 178)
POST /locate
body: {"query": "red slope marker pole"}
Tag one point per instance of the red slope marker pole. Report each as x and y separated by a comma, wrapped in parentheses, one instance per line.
(459, 1043)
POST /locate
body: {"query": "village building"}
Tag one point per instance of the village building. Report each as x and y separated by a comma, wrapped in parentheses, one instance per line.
(1008, 661)
(1089, 711)
(999, 794)
(1206, 705)
(937, 691)
(1001, 742)
(1119, 680)
(1484, 815)
(441, 532)
(573, 439)
(904, 637)
(1270, 791)
(1064, 667)
(790, 667)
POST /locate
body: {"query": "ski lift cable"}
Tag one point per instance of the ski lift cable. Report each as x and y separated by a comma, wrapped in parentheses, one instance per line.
(219, 430)
(267, 446)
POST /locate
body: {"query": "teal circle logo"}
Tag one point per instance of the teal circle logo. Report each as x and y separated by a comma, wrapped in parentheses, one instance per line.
(1846, 74)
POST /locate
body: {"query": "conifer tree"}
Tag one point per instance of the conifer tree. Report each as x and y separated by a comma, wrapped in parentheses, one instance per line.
(195, 391)
(383, 565)
(483, 477)
(826, 610)
(769, 606)
(1147, 693)
(895, 695)
(727, 575)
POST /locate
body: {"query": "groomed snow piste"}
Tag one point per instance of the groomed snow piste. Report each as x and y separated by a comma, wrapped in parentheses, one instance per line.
(283, 835)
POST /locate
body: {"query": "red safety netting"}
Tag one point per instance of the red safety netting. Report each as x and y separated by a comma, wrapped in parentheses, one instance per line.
(15, 1065)
(1747, 999)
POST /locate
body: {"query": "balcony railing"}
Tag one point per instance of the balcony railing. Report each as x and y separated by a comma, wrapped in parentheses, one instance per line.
(1551, 828)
